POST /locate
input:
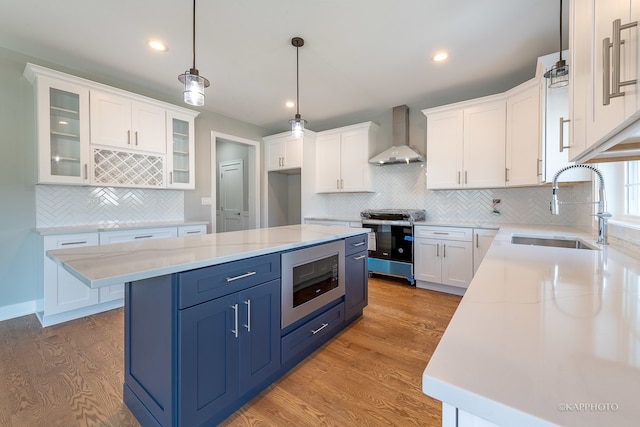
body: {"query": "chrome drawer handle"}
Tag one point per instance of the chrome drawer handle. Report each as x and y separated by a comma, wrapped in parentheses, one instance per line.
(324, 325)
(73, 243)
(358, 244)
(193, 232)
(359, 257)
(144, 237)
(440, 232)
(242, 276)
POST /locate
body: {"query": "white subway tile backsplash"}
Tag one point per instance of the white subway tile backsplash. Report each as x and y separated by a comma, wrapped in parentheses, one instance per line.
(61, 205)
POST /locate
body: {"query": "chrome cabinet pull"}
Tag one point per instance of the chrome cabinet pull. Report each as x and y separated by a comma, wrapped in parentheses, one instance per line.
(136, 133)
(170, 177)
(235, 313)
(437, 249)
(441, 232)
(193, 232)
(444, 250)
(539, 167)
(338, 184)
(355, 245)
(477, 240)
(465, 177)
(506, 174)
(86, 173)
(148, 236)
(359, 257)
(615, 47)
(458, 177)
(84, 242)
(128, 137)
(324, 325)
(242, 276)
(341, 184)
(248, 325)
(562, 122)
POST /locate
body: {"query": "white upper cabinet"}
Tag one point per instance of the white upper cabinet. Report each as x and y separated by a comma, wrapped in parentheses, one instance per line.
(444, 149)
(180, 151)
(283, 151)
(62, 118)
(605, 104)
(92, 134)
(118, 121)
(523, 158)
(342, 158)
(466, 144)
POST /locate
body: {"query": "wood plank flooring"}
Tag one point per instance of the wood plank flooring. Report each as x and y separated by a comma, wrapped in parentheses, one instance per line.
(370, 375)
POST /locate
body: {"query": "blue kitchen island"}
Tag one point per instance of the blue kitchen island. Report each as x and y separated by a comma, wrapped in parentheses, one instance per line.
(205, 327)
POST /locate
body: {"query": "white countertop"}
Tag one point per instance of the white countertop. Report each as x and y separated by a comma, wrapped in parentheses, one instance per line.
(544, 336)
(112, 226)
(98, 266)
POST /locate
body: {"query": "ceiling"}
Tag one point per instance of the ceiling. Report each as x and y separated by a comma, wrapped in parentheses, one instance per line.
(360, 58)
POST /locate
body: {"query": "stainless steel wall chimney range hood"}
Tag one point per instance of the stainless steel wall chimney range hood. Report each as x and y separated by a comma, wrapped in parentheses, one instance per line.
(400, 152)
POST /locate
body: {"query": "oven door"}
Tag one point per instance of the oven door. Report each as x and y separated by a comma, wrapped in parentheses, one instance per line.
(392, 242)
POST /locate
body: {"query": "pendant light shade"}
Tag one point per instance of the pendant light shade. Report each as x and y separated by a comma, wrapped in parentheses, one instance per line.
(558, 75)
(193, 82)
(297, 123)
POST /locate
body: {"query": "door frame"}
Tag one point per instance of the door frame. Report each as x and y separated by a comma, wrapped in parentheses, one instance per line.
(253, 170)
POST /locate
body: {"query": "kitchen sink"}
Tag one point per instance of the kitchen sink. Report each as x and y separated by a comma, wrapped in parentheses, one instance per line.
(553, 241)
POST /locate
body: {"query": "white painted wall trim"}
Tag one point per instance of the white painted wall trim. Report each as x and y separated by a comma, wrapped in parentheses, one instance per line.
(17, 310)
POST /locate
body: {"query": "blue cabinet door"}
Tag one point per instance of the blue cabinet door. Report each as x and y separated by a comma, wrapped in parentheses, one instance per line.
(208, 359)
(259, 334)
(356, 290)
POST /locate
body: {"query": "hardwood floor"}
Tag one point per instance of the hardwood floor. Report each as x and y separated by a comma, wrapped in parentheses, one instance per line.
(369, 375)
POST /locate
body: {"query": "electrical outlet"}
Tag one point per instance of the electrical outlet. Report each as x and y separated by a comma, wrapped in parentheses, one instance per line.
(496, 201)
(207, 201)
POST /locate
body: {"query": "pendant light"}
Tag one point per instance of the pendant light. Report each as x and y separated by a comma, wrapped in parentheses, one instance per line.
(194, 83)
(297, 123)
(558, 75)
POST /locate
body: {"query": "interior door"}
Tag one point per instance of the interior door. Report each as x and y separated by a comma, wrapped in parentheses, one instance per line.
(231, 194)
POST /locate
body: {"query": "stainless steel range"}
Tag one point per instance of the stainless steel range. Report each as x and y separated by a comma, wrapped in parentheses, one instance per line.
(391, 240)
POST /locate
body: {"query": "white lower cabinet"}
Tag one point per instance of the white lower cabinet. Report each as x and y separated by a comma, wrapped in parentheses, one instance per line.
(65, 297)
(482, 239)
(62, 291)
(442, 256)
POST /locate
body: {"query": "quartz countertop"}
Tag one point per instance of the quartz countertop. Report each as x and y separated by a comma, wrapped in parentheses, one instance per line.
(544, 336)
(98, 266)
(92, 228)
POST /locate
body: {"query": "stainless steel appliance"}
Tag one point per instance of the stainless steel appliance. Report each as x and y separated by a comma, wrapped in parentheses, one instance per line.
(391, 240)
(311, 278)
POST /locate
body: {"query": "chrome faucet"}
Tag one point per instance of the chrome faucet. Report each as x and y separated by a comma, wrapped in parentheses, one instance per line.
(602, 215)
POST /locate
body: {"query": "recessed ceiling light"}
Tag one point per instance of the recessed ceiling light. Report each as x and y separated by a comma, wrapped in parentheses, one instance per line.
(157, 45)
(289, 104)
(440, 56)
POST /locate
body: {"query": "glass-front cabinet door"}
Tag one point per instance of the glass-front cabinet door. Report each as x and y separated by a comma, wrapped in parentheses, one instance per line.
(63, 132)
(180, 151)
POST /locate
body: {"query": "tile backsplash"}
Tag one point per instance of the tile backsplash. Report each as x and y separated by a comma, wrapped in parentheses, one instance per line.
(403, 186)
(59, 206)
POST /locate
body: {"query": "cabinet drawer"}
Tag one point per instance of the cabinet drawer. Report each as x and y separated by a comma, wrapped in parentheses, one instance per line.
(443, 233)
(190, 230)
(204, 284)
(356, 243)
(312, 334)
(119, 236)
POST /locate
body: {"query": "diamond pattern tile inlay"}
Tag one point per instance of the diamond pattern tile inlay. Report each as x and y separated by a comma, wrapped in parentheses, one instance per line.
(123, 168)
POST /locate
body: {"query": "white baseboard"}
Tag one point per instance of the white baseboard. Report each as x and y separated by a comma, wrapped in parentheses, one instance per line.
(17, 310)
